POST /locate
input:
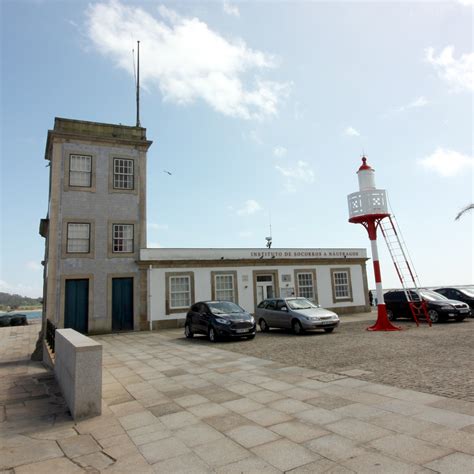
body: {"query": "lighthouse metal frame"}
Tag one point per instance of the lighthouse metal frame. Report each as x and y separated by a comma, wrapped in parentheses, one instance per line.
(368, 207)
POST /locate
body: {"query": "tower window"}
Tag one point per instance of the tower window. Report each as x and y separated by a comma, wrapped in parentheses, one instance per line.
(80, 170)
(123, 174)
(78, 238)
(122, 235)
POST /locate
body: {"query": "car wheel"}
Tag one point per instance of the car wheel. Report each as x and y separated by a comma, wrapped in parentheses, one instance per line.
(390, 315)
(297, 328)
(328, 329)
(459, 319)
(213, 337)
(264, 327)
(434, 316)
(187, 331)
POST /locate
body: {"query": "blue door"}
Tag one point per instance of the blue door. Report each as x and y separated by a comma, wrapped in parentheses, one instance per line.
(76, 305)
(122, 304)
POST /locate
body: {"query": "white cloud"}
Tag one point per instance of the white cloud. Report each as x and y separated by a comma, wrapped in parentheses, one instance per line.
(21, 289)
(447, 162)
(154, 226)
(250, 207)
(186, 59)
(280, 151)
(34, 265)
(351, 132)
(459, 73)
(230, 9)
(418, 102)
(301, 173)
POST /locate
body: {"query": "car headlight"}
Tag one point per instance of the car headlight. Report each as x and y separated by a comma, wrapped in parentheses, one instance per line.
(446, 308)
(252, 319)
(222, 321)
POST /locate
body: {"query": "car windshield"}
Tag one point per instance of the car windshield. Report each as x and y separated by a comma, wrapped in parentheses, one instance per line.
(300, 303)
(432, 296)
(467, 291)
(225, 307)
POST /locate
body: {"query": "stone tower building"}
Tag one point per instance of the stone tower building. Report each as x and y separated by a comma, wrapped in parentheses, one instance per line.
(95, 227)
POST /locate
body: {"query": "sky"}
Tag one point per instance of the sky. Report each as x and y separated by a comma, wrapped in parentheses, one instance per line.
(260, 111)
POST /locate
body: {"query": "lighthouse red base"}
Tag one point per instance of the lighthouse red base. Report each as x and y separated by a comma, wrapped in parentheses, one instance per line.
(383, 323)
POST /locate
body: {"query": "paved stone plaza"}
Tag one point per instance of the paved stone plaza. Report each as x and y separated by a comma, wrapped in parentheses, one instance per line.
(171, 406)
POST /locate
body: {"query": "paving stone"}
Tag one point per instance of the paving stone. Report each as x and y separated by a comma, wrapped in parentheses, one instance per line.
(218, 395)
(243, 405)
(449, 438)
(249, 465)
(335, 447)
(276, 386)
(252, 435)
(456, 463)
(183, 464)
(265, 396)
(58, 465)
(197, 434)
(135, 420)
(127, 408)
(378, 463)
(318, 416)
(133, 463)
(191, 400)
(178, 420)
(297, 431)
(114, 440)
(409, 448)
(207, 410)
(284, 454)
(97, 461)
(445, 417)
(79, 446)
(328, 402)
(289, 405)
(243, 388)
(163, 449)
(165, 409)
(267, 416)
(322, 465)
(402, 424)
(149, 433)
(53, 434)
(221, 452)
(226, 422)
(357, 430)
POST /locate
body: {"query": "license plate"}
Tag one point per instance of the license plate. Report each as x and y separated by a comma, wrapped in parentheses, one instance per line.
(326, 322)
(463, 310)
(240, 331)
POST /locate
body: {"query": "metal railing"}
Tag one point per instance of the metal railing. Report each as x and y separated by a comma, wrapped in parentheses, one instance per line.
(50, 334)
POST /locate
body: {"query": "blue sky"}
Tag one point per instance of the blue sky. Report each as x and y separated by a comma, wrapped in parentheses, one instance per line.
(257, 109)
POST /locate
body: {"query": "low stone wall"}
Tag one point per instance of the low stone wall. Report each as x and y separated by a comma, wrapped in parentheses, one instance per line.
(78, 370)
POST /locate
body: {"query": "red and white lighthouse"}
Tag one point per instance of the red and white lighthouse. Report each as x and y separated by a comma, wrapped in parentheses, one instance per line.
(368, 207)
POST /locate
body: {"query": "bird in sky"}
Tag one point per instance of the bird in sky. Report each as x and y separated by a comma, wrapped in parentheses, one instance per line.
(167, 172)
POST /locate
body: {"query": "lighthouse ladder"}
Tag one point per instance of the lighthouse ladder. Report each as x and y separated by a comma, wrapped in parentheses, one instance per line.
(404, 268)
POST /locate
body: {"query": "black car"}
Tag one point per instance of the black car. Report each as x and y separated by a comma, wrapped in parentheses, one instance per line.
(466, 295)
(218, 319)
(439, 307)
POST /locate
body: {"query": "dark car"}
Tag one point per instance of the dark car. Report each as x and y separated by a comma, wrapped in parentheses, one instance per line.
(439, 307)
(218, 319)
(466, 295)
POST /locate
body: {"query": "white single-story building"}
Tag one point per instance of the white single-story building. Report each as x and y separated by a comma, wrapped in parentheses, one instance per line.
(176, 278)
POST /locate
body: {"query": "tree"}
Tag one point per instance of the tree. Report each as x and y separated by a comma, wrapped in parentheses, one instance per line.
(463, 211)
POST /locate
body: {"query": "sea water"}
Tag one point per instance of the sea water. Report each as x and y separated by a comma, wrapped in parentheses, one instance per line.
(28, 314)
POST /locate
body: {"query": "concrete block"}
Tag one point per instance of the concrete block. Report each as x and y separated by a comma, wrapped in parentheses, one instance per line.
(78, 370)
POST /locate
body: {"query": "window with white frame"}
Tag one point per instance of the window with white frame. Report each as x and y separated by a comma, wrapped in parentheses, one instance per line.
(306, 285)
(122, 238)
(78, 238)
(224, 285)
(341, 284)
(180, 291)
(123, 173)
(80, 170)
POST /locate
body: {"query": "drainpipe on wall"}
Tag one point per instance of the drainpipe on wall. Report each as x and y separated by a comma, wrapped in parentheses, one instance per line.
(148, 306)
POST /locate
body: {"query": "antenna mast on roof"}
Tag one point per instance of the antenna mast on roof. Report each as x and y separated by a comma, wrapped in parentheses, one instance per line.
(138, 84)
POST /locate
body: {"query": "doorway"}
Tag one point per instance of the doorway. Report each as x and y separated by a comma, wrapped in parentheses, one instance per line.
(122, 304)
(265, 285)
(76, 305)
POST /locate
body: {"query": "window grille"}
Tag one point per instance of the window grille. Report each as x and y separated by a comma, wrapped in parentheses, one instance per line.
(225, 287)
(78, 238)
(123, 173)
(180, 291)
(80, 170)
(341, 284)
(122, 238)
(306, 285)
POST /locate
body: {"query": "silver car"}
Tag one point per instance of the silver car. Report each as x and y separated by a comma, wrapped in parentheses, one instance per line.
(298, 314)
